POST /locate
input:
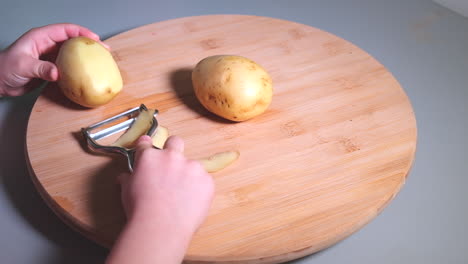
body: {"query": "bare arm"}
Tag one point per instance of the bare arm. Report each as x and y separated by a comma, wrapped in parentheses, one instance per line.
(23, 60)
(166, 199)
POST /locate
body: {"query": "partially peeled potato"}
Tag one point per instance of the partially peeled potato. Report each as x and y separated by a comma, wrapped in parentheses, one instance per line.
(88, 74)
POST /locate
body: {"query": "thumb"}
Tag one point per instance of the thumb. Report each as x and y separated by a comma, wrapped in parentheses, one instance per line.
(45, 70)
(122, 178)
(174, 143)
(144, 142)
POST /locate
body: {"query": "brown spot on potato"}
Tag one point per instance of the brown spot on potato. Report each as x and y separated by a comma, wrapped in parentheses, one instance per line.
(212, 98)
(266, 82)
(266, 79)
(260, 102)
(246, 110)
(252, 67)
(228, 78)
(109, 90)
(87, 41)
(209, 44)
(77, 92)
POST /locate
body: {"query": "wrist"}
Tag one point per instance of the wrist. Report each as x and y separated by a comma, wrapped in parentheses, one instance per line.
(150, 238)
(157, 221)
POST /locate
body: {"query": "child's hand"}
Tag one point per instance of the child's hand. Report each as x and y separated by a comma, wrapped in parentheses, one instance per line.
(165, 200)
(164, 181)
(21, 62)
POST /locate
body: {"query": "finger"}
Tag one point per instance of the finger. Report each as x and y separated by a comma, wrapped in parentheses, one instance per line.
(144, 142)
(105, 45)
(72, 30)
(45, 38)
(122, 178)
(174, 143)
(33, 68)
(62, 32)
(83, 32)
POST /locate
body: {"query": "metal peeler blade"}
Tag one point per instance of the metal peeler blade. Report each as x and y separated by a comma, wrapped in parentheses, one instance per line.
(92, 138)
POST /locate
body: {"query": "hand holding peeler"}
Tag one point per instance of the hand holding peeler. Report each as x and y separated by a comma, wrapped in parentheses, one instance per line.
(132, 114)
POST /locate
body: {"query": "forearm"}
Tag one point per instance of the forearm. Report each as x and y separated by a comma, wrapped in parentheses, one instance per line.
(150, 239)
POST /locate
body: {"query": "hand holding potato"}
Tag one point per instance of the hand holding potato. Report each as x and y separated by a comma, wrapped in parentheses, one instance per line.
(22, 61)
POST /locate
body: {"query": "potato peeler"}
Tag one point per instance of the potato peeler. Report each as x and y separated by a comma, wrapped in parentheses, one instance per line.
(132, 114)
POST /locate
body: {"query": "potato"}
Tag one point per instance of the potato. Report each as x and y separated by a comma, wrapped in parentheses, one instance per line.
(88, 74)
(232, 87)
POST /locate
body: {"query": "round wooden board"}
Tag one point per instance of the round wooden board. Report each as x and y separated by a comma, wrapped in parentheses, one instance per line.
(330, 153)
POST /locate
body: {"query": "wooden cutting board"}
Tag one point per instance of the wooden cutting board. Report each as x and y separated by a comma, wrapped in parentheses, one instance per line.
(331, 152)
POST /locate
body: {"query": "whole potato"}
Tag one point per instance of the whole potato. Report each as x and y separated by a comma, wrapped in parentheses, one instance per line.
(232, 87)
(88, 74)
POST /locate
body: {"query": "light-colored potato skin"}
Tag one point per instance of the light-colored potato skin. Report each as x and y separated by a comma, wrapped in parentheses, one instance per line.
(160, 137)
(232, 87)
(219, 161)
(88, 74)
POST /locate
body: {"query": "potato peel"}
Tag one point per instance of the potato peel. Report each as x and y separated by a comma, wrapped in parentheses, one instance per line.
(139, 127)
(160, 137)
(219, 161)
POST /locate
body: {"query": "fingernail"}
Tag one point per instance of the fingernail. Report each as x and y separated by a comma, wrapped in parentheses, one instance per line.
(95, 36)
(53, 74)
(145, 138)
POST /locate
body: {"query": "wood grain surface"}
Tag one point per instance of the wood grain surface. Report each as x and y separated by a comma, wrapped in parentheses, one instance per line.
(331, 152)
